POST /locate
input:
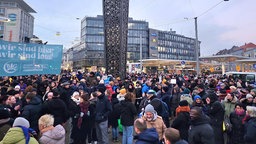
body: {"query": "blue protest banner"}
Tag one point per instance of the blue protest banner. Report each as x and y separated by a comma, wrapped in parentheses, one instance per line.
(28, 59)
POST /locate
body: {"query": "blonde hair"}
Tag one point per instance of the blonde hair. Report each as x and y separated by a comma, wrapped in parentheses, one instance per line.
(251, 110)
(46, 120)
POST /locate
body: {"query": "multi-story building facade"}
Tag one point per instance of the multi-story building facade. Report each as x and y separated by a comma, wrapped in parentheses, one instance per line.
(156, 44)
(169, 45)
(21, 24)
(91, 53)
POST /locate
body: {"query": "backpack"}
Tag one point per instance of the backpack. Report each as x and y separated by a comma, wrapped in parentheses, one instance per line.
(164, 109)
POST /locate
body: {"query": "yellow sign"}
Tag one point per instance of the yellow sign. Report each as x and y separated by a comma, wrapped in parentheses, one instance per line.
(238, 68)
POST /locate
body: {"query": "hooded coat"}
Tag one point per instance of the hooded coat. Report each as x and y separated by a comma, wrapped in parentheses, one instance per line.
(149, 136)
(216, 113)
(156, 123)
(15, 135)
(201, 132)
(53, 136)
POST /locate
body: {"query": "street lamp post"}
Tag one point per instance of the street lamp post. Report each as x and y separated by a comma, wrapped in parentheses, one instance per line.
(196, 42)
(197, 49)
(140, 53)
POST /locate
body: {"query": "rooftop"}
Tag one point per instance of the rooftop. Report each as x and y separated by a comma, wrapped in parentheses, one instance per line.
(249, 45)
(22, 4)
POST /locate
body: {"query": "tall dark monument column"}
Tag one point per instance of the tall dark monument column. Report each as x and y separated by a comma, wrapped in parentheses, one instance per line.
(115, 29)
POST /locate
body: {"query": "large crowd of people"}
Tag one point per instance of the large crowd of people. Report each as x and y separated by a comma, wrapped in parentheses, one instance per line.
(81, 108)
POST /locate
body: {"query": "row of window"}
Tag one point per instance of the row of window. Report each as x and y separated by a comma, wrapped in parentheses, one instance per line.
(91, 30)
(99, 23)
(100, 39)
(173, 50)
(96, 39)
(169, 56)
(93, 23)
(95, 55)
(140, 26)
(96, 47)
(136, 56)
(134, 40)
(94, 30)
(137, 33)
(173, 37)
(8, 4)
(175, 44)
(136, 48)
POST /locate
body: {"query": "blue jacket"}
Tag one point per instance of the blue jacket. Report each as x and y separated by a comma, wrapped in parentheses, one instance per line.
(149, 136)
(145, 88)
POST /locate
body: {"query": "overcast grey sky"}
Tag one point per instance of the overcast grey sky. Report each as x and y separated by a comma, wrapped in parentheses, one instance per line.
(226, 24)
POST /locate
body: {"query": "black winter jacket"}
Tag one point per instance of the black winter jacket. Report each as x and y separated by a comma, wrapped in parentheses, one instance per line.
(250, 131)
(201, 132)
(32, 112)
(57, 108)
(128, 113)
(115, 114)
(216, 113)
(237, 133)
(181, 123)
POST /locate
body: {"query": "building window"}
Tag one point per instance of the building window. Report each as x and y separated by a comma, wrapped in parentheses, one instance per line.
(2, 10)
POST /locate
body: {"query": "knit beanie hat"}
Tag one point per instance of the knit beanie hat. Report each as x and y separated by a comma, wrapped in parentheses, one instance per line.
(101, 88)
(186, 91)
(151, 92)
(249, 96)
(197, 97)
(20, 121)
(165, 88)
(4, 113)
(150, 108)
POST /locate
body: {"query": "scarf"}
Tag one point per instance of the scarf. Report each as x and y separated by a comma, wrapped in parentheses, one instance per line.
(84, 109)
(182, 109)
(241, 112)
(26, 133)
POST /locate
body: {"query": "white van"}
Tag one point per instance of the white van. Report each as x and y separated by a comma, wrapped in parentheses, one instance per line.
(244, 76)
